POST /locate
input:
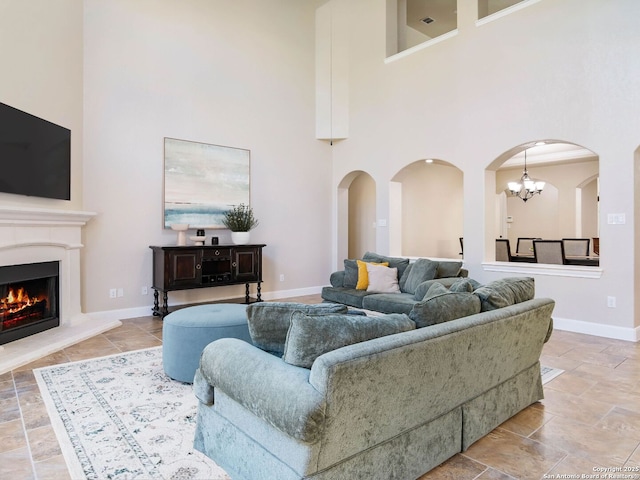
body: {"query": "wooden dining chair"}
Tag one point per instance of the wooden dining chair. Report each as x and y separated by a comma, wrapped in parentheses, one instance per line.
(549, 251)
(576, 247)
(503, 250)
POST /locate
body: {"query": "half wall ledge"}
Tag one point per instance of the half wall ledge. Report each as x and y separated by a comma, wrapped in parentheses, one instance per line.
(576, 271)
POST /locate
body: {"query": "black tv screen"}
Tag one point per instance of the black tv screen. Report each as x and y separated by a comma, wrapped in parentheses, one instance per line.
(35, 155)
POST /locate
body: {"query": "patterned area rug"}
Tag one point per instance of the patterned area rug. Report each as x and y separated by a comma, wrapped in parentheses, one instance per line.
(121, 417)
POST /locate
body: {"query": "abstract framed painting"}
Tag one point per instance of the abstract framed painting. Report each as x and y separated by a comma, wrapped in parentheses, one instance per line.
(202, 181)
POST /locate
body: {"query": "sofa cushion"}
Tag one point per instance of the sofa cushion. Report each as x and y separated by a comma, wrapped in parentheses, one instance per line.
(421, 270)
(397, 262)
(350, 273)
(440, 305)
(347, 296)
(363, 275)
(389, 302)
(435, 289)
(269, 321)
(505, 291)
(464, 285)
(382, 279)
(310, 336)
(422, 289)
(448, 268)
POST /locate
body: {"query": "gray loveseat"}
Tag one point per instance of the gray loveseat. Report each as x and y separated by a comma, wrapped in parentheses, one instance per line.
(391, 407)
(413, 281)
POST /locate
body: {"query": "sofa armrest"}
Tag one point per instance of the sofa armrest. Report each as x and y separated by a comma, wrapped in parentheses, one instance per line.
(337, 279)
(271, 389)
(463, 273)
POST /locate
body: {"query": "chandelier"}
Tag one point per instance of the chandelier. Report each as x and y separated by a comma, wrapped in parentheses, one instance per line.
(526, 187)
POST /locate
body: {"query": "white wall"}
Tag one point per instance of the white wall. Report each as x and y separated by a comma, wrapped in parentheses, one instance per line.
(239, 74)
(242, 74)
(494, 86)
(41, 51)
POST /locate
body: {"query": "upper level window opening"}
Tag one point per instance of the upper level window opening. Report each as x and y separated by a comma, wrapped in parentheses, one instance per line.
(413, 22)
(489, 7)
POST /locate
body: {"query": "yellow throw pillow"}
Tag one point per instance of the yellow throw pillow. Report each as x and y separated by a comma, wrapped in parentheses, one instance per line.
(363, 276)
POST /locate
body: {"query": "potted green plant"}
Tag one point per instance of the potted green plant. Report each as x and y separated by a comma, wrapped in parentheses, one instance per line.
(240, 220)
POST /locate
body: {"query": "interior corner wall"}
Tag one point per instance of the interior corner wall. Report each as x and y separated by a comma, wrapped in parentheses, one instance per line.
(238, 74)
(471, 97)
(41, 51)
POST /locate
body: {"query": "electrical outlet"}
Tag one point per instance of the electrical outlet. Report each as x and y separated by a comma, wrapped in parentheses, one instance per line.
(282, 277)
(611, 302)
(144, 291)
(113, 293)
(121, 292)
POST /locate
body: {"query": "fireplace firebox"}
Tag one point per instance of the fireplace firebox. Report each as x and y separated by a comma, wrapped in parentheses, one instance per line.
(28, 300)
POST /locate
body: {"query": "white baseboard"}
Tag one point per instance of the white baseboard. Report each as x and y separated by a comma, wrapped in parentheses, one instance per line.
(298, 292)
(570, 325)
(597, 329)
(135, 312)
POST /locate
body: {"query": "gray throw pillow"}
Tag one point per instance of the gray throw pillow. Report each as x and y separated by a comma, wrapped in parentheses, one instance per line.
(350, 273)
(422, 289)
(394, 262)
(464, 285)
(313, 335)
(422, 270)
(436, 288)
(448, 269)
(504, 292)
(440, 305)
(402, 281)
(269, 321)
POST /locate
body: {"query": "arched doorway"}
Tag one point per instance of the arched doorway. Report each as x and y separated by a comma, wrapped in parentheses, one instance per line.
(426, 199)
(356, 215)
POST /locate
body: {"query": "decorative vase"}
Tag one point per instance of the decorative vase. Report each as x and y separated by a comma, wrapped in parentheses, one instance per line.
(181, 228)
(240, 238)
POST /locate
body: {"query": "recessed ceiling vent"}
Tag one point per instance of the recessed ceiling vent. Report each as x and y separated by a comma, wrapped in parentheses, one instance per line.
(427, 20)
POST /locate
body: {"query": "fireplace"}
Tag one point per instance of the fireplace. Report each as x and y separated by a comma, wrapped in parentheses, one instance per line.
(28, 300)
(37, 236)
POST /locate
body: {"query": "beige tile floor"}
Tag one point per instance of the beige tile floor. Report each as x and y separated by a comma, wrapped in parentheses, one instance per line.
(590, 417)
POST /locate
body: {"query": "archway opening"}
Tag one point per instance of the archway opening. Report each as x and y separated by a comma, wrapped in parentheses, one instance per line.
(426, 205)
(356, 215)
(568, 206)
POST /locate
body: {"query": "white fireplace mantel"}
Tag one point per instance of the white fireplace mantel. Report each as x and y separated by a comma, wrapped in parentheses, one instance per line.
(43, 216)
(32, 235)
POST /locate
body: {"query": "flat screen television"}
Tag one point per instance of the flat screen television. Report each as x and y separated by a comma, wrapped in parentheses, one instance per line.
(35, 155)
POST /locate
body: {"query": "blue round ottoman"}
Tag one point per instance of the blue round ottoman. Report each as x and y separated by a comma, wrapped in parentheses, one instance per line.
(187, 331)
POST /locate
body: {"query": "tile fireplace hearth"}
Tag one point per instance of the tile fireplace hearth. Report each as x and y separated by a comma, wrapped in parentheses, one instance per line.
(52, 237)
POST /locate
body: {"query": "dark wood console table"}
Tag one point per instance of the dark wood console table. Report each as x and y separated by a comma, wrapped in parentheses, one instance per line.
(200, 266)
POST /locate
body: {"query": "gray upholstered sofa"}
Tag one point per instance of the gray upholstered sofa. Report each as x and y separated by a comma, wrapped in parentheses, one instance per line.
(391, 407)
(413, 281)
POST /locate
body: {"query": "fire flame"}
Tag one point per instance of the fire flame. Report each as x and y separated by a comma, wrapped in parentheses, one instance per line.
(16, 300)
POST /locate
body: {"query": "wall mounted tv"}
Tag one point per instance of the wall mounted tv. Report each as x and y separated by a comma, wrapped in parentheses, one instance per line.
(35, 155)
